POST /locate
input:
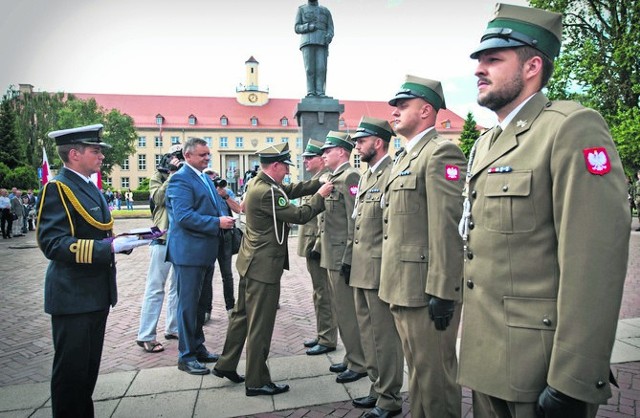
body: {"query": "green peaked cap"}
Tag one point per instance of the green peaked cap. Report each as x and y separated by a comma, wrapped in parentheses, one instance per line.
(513, 26)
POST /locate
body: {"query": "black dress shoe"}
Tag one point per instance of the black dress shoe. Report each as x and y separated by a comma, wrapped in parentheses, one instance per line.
(268, 389)
(319, 349)
(337, 368)
(233, 375)
(170, 336)
(349, 376)
(378, 412)
(365, 402)
(310, 343)
(193, 367)
(207, 357)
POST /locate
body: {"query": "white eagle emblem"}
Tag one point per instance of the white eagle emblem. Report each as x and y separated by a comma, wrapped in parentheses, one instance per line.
(598, 160)
(452, 172)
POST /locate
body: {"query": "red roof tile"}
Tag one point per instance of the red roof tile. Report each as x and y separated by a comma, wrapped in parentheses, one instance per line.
(208, 111)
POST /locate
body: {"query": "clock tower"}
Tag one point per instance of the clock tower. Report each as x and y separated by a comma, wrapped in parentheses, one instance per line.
(250, 93)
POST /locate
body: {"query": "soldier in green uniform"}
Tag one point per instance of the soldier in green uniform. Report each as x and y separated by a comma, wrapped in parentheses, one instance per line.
(262, 258)
(336, 241)
(546, 230)
(74, 231)
(380, 341)
(421, 271)
(327, 328)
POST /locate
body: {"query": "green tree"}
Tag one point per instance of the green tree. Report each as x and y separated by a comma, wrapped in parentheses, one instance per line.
(119, 131)
(469, 134)
(23, 177)
(11, 151)
(36, 115)
(599, 66)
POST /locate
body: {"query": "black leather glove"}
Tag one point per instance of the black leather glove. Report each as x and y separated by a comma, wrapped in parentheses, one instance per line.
(346, 272)
(441, 312)
(314, 255)
(555, 404)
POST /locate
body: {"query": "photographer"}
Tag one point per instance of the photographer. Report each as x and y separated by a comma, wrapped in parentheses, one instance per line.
(159, 270)
(224, 248)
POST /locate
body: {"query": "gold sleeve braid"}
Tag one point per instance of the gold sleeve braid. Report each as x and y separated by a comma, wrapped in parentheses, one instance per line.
(83, 248)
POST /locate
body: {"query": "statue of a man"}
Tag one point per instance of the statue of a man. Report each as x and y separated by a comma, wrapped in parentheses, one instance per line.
(314, 24)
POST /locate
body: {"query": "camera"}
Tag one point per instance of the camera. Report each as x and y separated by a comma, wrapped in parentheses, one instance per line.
(220, 182)
(165, 165)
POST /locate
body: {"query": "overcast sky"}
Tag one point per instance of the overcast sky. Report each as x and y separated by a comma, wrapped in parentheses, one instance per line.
(199, 47)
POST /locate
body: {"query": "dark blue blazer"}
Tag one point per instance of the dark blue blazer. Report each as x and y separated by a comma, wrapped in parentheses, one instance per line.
(81, 276)
(194, 224)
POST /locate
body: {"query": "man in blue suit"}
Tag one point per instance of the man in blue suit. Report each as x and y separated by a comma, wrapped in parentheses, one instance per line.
(195, 224)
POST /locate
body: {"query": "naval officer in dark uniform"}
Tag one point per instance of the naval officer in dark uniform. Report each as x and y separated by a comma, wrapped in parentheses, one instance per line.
(546, 226)
(74, 232)
(262, 258)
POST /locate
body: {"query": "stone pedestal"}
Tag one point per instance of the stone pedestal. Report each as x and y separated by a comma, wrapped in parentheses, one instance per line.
(317, 116)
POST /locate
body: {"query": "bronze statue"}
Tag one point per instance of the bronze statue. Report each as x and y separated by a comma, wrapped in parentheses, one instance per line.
(314, 24)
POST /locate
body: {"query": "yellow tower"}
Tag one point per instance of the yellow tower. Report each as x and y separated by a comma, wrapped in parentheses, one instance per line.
(250, 93)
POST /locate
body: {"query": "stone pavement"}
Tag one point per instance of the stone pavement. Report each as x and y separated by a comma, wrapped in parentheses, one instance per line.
(133, 383)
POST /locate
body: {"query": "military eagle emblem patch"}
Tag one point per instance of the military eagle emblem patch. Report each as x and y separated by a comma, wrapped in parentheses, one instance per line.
(597, 160)
(452, 172)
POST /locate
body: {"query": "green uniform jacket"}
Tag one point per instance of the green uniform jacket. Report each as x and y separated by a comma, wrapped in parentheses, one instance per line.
(336, 223)
(261, 256)
(367, 235)
(73, 221)
(308, 232)
(421, 248)
(547, 256)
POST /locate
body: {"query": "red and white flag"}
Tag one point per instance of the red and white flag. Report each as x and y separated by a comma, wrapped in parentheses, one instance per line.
(46, 173)
(96, 178)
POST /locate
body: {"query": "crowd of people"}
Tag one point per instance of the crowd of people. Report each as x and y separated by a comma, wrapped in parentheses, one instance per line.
(17, 212)
(389, 251)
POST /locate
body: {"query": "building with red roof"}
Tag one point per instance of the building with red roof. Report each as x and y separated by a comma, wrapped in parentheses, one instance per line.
(234, 127)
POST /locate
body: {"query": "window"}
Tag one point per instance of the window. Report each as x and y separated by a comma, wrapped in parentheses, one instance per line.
(285, 139)
(224, 142)
(284, 122)
(224, 121)
(158, 142)
(208, 140)
(159, 119)
(356, 161)
(158, 158)
(109, 181)
(142, 161)
(175, 140)
(269, 140)
(124, 182)
(141, 180)
(254, 121)
(125, 164)
(396, 143)
(298, 142)
(239, 142)
(298, 163)
(341, 122)
(192, 120)
(142, 141)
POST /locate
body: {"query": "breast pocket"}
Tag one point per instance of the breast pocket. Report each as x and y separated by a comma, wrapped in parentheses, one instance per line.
(332, 202)
(372, 205)
(508, 207)
(405, 200)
